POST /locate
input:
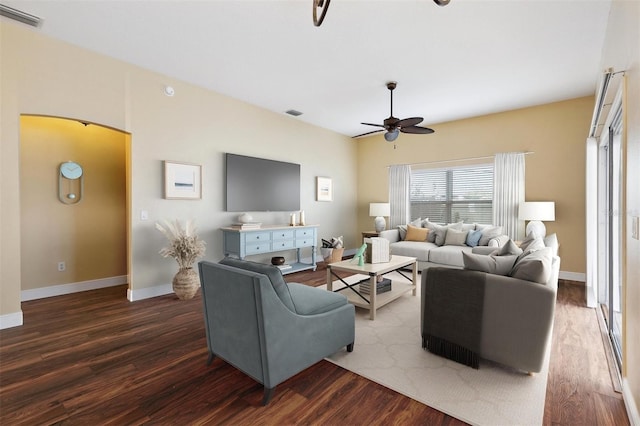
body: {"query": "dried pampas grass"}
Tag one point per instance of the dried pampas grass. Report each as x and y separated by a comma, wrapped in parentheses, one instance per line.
(184, 245)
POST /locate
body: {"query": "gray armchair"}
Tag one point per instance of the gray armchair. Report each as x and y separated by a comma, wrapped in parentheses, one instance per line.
(269, 329)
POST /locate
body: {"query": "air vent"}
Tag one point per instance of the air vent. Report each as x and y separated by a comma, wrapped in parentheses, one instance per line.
(293, 112)
(17, 15)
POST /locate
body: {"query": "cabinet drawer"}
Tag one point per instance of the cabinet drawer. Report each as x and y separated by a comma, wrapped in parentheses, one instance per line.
(282, 245)
(304, 233)
(255, 248)
(282, 235)
(305, 242)
(255, 237)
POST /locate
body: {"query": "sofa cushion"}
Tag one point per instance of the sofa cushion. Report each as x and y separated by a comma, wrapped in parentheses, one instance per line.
(473, 238)
(448, 255)
(492, 264)
(535, 266)
(419, 250)
(552, 242)
(416, 234)
(488, 233)
(532, 243)
(310, 300)
(403, 228)
(272, 272)
(509, 248)
(455, 238)
(438, 233)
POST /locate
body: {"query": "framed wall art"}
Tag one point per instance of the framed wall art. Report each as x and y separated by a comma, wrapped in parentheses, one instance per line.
(182, 181)
(324, 189)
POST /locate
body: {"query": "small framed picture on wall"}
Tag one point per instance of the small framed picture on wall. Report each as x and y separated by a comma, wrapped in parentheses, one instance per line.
(324, 189)
(182, 181)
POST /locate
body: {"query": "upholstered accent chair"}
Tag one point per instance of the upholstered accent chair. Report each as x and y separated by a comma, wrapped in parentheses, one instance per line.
(267, 328)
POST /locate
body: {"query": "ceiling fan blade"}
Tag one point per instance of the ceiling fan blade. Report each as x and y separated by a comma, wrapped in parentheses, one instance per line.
(409, 121)
(368, 133)
(417, 130)
(371, 124)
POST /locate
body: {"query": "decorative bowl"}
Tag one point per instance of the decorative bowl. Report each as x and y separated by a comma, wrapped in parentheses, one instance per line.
(277, 260)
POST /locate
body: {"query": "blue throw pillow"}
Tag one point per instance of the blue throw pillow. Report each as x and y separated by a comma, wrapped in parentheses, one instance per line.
(473, 238)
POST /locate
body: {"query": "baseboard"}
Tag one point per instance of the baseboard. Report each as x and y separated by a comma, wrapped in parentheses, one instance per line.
(11, 320)
(630, 403)
(59, 290)
(573, 276)
(149, 292)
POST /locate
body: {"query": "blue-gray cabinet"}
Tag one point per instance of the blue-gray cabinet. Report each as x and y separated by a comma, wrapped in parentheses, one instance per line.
(268, 239)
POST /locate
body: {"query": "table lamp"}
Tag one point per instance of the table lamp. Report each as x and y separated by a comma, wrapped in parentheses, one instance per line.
(535, 212)
(380, 211)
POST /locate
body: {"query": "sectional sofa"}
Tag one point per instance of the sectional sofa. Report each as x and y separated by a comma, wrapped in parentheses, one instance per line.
(434, 244)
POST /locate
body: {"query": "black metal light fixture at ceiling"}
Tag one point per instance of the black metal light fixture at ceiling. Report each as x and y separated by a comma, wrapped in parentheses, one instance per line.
(320, 8)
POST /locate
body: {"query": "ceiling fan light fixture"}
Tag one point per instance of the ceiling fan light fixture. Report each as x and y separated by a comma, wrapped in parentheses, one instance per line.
(391, 135)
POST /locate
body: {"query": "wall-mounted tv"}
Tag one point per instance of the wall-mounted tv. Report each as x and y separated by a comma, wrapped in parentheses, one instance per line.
(261, 185)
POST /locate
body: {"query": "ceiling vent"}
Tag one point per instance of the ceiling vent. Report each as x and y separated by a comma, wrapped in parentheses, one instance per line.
(293, 112)
(17, 15)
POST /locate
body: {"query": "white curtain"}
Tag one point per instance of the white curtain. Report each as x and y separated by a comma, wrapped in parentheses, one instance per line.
(508, 193)
(399, 185)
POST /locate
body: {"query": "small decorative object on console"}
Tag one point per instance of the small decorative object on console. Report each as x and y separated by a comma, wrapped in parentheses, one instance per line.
(277, 260)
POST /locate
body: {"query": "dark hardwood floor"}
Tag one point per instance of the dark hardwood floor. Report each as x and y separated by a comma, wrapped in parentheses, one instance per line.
(94, 358)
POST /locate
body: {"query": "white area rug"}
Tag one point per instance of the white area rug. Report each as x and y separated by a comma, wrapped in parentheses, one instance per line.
(388, 351)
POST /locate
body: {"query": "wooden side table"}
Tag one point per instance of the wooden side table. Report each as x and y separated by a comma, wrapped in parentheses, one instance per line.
(369, 234)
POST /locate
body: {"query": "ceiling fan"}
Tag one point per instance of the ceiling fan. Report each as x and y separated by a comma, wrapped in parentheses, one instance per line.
(394, 126)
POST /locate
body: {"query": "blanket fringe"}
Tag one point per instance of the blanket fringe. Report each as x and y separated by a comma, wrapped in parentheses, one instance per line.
(451, 351)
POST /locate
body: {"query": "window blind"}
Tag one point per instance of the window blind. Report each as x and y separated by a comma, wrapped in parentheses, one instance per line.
(453, 194)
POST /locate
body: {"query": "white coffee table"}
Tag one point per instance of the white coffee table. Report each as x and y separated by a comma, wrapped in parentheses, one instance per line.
(374, 270)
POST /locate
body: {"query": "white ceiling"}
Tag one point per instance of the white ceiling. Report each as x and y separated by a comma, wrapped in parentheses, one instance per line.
(466, 59)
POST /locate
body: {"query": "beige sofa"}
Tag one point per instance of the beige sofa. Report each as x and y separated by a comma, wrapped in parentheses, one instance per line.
(437, 249)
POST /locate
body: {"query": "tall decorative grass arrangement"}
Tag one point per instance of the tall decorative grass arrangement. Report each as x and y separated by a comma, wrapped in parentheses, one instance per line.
(184, 245)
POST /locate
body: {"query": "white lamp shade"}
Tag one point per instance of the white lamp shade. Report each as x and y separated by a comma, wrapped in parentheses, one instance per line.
(379, 209)
(537, 210)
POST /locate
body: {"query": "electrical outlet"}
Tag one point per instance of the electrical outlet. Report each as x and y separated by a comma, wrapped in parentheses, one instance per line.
(144, 215)
(62, 266)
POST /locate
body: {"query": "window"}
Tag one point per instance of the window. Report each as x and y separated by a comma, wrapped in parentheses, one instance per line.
(453, 194)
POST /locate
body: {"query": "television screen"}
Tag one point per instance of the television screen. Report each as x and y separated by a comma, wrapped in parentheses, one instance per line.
(261, 185)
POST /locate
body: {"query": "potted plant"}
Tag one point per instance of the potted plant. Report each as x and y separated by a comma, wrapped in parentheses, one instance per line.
(185, 247)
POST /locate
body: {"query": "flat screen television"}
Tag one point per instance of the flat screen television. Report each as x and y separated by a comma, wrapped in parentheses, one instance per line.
(261, 185)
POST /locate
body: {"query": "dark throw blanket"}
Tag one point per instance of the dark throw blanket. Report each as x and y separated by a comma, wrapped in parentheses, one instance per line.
(452, 314)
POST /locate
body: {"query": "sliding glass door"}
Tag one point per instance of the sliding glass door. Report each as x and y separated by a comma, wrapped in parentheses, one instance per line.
(610, 230)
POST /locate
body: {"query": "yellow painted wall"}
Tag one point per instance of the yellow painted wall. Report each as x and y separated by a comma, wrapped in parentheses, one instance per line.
(90, 237)
(556, 134)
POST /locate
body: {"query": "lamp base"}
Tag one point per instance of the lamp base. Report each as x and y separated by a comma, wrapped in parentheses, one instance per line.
(380, 224)
(536, 228)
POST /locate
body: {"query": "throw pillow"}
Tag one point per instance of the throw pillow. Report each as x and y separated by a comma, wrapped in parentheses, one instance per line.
(497, 265)
(403, 228)
(535, 266)
(455, 237)
(532, 241)
(509, 248)
(438, 232)
(416, 234)
(473, 238)
(552, 242)
(488, 233)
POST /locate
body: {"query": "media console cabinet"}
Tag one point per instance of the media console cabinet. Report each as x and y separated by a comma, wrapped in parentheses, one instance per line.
(270, 239)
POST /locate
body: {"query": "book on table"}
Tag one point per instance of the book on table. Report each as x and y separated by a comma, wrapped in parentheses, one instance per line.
(381, 286)
(249, 225)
